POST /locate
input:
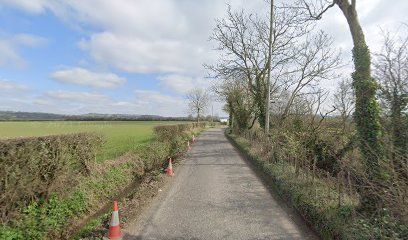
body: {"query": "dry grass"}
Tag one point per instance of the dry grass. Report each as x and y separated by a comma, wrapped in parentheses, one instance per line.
(329, 200)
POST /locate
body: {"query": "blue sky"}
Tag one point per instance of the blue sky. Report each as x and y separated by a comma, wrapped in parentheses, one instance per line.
(130, 56)
(58, 56)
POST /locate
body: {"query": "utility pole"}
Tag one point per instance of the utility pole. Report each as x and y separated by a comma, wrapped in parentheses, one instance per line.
(268, 87)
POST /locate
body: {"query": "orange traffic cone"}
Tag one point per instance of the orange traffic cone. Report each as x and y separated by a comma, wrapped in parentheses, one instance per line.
(169, 169)
(114, 227)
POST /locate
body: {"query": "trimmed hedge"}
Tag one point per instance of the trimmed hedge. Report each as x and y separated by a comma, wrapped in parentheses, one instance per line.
(168, 132)
(177, 135)
(34, 168)
(64, 185)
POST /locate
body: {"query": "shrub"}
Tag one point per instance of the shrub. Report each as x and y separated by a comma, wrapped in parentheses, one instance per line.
(329, 203)
(31, 169)
(177, 135)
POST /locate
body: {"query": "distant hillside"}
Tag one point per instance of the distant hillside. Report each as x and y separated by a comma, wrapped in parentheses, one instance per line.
(32, 116)
(9, 115)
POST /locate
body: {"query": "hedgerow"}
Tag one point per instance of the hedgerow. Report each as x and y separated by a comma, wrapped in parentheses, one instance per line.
(325, 201)
(32, 169)
(49, 185)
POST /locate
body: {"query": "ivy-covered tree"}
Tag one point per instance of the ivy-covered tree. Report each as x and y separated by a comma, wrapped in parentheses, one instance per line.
(367, 111)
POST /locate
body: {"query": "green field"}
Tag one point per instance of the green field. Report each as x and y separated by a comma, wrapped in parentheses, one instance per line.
(120, 136)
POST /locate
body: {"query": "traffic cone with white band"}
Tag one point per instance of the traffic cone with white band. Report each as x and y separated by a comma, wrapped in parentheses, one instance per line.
(114, 227)
(169, 169)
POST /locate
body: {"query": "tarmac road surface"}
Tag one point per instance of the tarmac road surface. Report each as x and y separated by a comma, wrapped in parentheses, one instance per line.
(216, 195)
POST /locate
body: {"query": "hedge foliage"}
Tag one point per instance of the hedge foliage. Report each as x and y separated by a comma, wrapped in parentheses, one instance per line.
(34, 168)
(317, 198)
(53, 182)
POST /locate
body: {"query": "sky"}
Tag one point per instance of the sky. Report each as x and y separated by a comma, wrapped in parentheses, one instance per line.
(134, 56)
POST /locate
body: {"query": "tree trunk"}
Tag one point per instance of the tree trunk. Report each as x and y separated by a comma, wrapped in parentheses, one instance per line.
(198, 115)
(367, 110)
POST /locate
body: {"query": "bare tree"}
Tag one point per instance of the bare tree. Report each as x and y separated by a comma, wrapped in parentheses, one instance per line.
(298, 59)
(391, 70)
(198, 100)
(343, 102)
(314, 60)
(244, 54)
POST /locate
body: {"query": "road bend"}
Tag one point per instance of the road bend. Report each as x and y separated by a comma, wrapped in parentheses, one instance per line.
(216, 195)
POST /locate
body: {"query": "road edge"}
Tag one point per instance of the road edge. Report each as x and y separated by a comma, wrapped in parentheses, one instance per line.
(269, 181)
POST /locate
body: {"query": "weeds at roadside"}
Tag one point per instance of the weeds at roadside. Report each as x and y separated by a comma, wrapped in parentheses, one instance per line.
(332, 213)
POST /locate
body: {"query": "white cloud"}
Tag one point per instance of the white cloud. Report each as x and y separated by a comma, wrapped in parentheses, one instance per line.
(11, 86)
(70, 102)
(154, 102)
(9, 55)
(181, 83)
(170, 36)
(84, 77)
(81, 97)
(67, 102)
(146, 96)
(31, 6)
(10, 45)
(29, 40)
(132, 54)
(163, 36)
(144, 36)
(73, 102)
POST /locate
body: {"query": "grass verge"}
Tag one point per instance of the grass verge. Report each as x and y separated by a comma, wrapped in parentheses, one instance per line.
(332, 214)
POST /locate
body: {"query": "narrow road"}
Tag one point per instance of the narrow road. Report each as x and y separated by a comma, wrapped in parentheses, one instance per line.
(216, 195)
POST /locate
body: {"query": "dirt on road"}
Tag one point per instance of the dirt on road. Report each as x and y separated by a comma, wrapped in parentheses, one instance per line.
(216, 195)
